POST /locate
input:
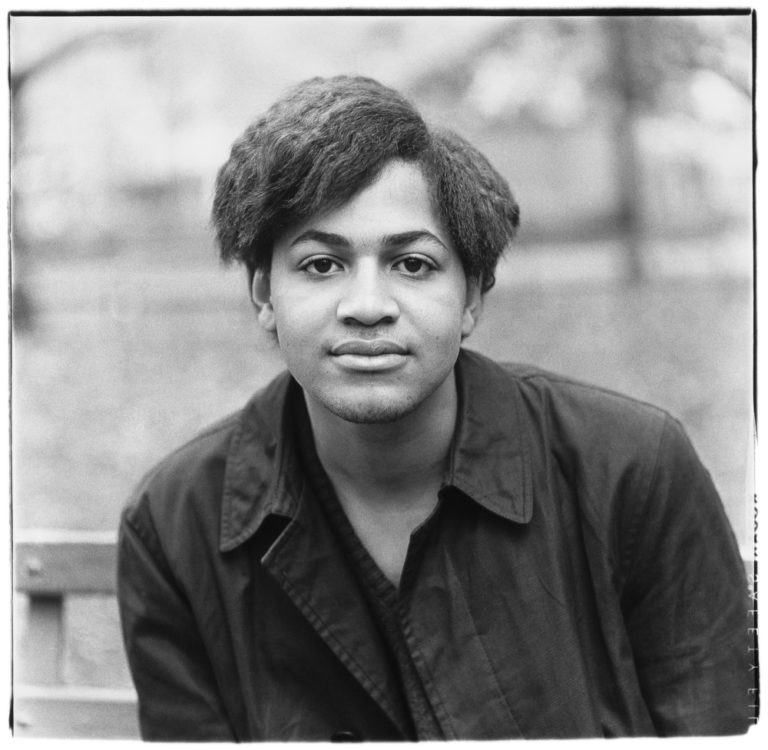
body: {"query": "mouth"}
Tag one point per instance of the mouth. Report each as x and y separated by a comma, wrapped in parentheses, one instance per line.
(376, 355)
(364, 348)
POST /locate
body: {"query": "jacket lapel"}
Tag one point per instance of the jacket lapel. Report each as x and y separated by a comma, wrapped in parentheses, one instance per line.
(308, 565)
(262, 479)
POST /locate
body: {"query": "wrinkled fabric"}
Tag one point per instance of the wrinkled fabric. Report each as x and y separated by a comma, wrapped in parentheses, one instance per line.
(380, 594)
(582, 581)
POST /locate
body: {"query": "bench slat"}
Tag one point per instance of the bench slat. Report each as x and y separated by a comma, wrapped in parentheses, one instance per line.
(67, 712)
(62, 566)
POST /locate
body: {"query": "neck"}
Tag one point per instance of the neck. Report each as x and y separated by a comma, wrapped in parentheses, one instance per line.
(384, 459)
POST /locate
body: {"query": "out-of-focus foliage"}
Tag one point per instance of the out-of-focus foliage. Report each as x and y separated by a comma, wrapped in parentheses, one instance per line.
(671, 58)
(669, 54)
(630, 127)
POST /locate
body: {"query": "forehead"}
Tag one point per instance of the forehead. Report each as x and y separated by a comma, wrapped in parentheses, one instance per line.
(399, 200)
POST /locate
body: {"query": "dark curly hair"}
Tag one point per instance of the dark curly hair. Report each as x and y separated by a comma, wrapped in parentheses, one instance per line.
(327, 139)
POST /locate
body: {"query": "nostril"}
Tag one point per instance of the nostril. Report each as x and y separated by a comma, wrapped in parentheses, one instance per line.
(367, 307)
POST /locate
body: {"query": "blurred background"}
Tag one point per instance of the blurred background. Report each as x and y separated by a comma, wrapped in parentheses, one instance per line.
(627, 141)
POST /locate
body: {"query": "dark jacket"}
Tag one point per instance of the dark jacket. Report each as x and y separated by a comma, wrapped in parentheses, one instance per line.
(582, 581)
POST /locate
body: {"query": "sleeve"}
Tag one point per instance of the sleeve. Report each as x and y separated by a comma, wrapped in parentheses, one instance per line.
(178, 698)
(686, 601)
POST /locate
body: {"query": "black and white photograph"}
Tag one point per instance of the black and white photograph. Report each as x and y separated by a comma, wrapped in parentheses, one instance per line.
(382, 375)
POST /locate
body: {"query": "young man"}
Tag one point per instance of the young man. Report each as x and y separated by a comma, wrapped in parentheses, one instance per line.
(399, 539)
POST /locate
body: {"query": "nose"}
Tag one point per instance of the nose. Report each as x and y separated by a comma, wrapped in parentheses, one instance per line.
(367, 298)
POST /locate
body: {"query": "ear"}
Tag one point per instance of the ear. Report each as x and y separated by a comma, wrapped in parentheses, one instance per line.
(260, 296)
(473, 306)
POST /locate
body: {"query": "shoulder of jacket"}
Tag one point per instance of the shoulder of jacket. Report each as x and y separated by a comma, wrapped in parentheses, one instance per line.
(598, 401)
(611, 447)
(562, 404)
(192, 475)
(194, 454)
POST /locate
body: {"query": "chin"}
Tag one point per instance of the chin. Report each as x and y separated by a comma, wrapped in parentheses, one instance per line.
(364, 411)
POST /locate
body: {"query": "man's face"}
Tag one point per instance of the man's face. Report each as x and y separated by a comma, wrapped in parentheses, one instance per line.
(370, 302)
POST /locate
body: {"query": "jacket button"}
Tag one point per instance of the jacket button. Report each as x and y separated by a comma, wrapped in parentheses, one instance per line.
(346, 735)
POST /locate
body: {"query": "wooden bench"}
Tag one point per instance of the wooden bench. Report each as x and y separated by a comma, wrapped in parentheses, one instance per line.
(49, 566)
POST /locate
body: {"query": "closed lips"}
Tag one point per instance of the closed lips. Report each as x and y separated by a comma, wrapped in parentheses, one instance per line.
(368, 348)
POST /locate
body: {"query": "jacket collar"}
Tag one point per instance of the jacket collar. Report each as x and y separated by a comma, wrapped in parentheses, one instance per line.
(490, 457)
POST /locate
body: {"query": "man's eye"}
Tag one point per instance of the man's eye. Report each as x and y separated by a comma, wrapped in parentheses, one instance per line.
(414, 266)
(320, 266)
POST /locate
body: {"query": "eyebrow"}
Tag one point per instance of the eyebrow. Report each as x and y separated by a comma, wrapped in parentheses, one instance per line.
(324, 238)
(390, 241)
(402, 239)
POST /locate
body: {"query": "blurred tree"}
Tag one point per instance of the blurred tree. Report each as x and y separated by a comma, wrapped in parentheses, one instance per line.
(555, 76)
(627, 84)
(558, 71)
(648, 67)
(25, 67)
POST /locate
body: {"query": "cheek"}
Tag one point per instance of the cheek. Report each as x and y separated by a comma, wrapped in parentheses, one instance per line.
(441, 317)
(302, 297)
(295, 314)
(290, 332)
